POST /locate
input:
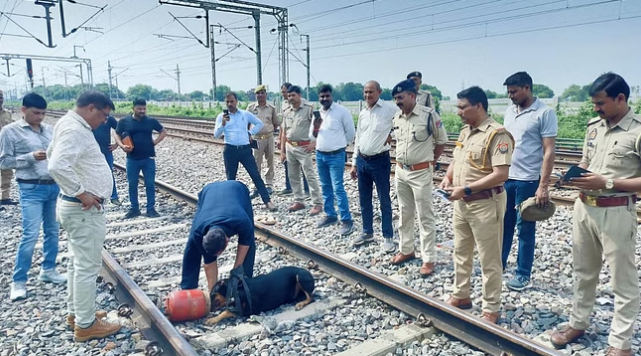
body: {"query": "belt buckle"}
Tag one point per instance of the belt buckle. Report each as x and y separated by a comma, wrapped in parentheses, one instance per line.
(591, 200)
(407, 167)
(294, 143)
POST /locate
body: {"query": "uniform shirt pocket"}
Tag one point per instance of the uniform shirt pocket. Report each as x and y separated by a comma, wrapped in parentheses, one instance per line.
(420, 132)
(622, 156)
(475, 155)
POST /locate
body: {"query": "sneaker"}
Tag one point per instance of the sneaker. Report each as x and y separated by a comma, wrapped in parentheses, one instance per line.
(152, 213)
(254, 194)
(8, 202)
(116, 202)
(388, 245)
(347, 227)
(18, 291)
(98, 330)
(285, 192)
(518, 283)
(362, 238)
(327, 221)
(132, 213)
(52, 276)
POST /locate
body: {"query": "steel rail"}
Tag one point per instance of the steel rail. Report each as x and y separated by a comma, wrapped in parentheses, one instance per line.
(466, 327)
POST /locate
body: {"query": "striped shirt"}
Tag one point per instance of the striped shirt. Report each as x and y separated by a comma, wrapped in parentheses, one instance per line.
(18, 141)
(75, 160)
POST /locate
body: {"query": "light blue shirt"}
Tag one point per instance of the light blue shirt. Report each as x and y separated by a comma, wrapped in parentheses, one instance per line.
(18, 141)
(236, 129)
(528, 128)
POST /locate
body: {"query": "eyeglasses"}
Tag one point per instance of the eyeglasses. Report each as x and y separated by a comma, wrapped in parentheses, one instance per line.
(104, 113)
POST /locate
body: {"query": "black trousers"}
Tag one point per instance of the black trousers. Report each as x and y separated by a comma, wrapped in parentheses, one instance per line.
(233, 155)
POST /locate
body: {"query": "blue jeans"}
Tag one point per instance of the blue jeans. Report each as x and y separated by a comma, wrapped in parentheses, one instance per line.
(288, 185)
(148, 168)
(110, 161)
(375, 171)
(331, 168)
(38, 205)
(517, 192)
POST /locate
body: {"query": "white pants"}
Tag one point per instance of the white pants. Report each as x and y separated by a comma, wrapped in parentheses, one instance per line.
(86, 231)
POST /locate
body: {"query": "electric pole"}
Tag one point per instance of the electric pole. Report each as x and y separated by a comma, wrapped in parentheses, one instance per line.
(259, 66)
(109, 71)
(44, 85)
(307, 66)
(178, 80)
(82, 80)
(213, 62)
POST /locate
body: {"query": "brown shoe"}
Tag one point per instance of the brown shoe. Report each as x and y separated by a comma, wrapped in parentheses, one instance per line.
(400, 258)
(460, 303)
(565, 336)
(426, 269)
(613, 351)
(71, 319)
(296, 207)
(97, 330)
(317, 209)
(491, 317)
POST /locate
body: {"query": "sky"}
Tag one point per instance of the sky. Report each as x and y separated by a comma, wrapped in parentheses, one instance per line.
(454, 43)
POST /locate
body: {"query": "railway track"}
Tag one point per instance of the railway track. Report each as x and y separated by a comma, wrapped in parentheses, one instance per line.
(131, 256)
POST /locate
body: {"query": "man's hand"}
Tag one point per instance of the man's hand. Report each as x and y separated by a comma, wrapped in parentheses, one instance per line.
(311, 147)
(40, 155)
(88, 200)
(589, 181)
(113, 147)
(542, 196)
(446, 184)
(283, 156)
(389, 140)
(126, 148)
(457, 193)
(352, 173)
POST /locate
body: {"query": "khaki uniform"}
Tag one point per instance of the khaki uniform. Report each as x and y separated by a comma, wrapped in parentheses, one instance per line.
(480, 221)
(414, 146)
(608, 231)
(296, 124)
(425, 98)
(267, 114)
(6, 175)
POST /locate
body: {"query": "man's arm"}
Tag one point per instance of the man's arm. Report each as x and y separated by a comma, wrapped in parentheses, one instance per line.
(549, 151)
(8, 159)
(348, 126)
(218, 130)
(161, 136)
(275, 119)
(241, 253)
(256, 122)
(211, 273)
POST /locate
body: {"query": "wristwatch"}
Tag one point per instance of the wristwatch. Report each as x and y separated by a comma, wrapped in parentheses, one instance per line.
(468, 191)
(609, 184)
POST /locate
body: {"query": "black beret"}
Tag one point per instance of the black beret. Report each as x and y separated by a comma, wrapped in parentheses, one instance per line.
(406, 85)
(415, 74)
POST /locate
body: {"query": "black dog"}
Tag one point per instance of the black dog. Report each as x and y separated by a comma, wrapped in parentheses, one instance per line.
(267, 292)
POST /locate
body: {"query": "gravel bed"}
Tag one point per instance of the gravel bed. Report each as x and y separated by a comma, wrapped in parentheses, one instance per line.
(532, 312)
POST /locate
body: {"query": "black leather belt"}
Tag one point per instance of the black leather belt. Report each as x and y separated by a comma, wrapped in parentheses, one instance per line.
(332, 152)
(73, 199)
(378, 155)
(37, 181)
(236, 147)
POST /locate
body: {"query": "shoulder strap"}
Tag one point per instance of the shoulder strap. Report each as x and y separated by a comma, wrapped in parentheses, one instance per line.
(427, 100)
(236, 279)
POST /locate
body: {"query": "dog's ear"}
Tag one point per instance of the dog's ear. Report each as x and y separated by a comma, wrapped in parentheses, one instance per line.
(219, 288)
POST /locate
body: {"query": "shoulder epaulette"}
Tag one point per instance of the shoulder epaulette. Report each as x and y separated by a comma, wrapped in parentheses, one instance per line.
(594, 121)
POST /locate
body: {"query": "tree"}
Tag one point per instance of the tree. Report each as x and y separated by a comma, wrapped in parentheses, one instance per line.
(433, 90)
(196, 95)
(576, 93)
(542, 91)
(141, 91)
(491, 94)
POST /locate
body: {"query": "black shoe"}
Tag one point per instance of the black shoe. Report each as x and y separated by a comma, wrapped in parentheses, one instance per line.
(132, 213)
(347, 227)
(327, 221)
(152, 213)
(254, 194)
(8, 202)
(285, 192)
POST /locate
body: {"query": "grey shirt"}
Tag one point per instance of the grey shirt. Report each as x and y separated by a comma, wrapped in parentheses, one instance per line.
(18, 141)
(528, 128)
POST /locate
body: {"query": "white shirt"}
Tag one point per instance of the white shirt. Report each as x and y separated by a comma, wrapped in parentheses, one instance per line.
(75, 160)
(372, 129)
(337, 130)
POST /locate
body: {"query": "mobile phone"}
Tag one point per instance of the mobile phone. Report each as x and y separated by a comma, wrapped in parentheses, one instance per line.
(443, 194)
(317, 114)
(574, 171)
(225, 112)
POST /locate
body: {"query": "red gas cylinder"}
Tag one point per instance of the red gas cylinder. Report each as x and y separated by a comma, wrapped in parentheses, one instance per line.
(183, 305)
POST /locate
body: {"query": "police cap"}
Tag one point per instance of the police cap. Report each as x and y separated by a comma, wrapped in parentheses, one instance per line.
(406, 85)
(530, 211)
(260, 88)
(415, 74)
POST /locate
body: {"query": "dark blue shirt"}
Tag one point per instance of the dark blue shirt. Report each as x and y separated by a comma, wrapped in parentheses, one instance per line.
(140, 132)
(225, 205)
(103, 134)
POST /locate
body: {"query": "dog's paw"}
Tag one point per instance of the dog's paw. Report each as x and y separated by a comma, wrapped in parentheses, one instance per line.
(300, 305)
(211, 321)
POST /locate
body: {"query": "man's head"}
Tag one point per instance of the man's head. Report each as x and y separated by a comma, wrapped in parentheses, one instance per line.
(215, 241)
(519, 88)
(140, 107)
(294, 95)
(325, 96)
(284, 90)
(372, 92)
(261, 94)
(472, 106)
(404, 94)
(417, 78)
(94, 107)
(34, 108)
(610, 95)
(231, 100)
(1, 99)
